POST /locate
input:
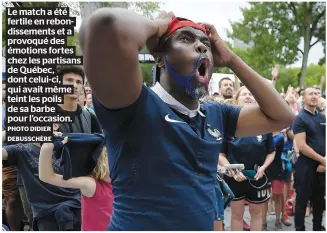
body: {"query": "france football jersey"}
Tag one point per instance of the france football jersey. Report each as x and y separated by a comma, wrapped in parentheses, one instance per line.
(162, 168)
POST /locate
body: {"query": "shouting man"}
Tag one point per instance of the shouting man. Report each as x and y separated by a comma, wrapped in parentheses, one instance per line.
(162, 144)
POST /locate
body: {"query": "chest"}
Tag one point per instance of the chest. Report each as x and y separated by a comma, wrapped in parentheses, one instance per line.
(315, 126)
(250, 145)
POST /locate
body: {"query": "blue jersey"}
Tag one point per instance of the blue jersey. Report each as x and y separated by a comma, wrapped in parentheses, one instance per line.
(163, 170)
(249, 151)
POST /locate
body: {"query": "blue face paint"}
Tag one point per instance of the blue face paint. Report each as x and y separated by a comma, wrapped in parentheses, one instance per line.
(185, 81)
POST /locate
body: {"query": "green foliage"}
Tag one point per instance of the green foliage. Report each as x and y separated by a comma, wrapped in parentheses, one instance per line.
(290, 76)
(147, 72)
(145, 8)
(275, 30)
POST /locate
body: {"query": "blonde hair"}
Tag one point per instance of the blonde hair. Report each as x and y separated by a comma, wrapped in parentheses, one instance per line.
(101, 168)
(237, 95)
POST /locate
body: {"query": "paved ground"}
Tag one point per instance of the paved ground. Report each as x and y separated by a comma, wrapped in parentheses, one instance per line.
(271, 221)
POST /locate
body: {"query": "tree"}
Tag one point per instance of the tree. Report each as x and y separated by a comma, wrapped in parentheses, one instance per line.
(275, 30)
(145, 8)
(288, 76)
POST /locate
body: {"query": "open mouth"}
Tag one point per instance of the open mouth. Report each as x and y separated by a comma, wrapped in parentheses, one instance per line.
(202, 71)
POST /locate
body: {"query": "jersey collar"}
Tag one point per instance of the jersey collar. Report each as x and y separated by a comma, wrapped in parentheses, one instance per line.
(173, 103)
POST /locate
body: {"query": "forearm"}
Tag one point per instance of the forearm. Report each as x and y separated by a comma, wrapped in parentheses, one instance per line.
(223, 160)
(270, 102)
(269, 159)
(121, 25)
(307, 151)
(3, 135)
(46, 173)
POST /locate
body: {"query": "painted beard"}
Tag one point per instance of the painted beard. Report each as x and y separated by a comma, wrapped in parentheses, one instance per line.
(200, 92)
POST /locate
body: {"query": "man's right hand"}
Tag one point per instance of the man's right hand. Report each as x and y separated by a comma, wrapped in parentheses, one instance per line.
(321, 168)
(162, 22)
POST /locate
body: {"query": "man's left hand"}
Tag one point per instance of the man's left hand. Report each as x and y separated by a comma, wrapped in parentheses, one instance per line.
(222, 55)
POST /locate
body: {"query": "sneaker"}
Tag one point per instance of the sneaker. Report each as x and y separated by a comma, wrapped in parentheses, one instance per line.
(286, 221)
(246, 227)
(278, 226)
(321, 228)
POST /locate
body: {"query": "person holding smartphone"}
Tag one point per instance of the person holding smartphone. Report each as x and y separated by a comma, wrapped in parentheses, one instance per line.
(256, 153)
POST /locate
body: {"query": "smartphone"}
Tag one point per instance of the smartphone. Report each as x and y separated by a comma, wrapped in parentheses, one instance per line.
(250, 174)
(234, 166)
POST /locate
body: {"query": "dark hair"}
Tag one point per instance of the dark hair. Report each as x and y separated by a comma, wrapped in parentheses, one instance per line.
(225, 78)
(62, 70)
(84, 91)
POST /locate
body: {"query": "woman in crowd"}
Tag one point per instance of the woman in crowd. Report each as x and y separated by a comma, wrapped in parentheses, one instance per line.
(277, 174)
(256, 153)
(96, 189)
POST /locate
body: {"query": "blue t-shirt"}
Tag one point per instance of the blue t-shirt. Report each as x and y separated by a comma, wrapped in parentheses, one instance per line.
(289, 143)
(249, 151)
(275, 170)
(163, 170)
(44, 198)
(314, 126)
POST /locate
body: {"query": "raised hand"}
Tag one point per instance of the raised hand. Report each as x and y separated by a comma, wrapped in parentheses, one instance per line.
(222, 55)
(162, 22)
(275, 72)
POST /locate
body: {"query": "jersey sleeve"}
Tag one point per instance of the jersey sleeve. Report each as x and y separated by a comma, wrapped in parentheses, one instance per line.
(298, 125)
(270, 145)
(231, 115)
(111, 119)
(14, 151)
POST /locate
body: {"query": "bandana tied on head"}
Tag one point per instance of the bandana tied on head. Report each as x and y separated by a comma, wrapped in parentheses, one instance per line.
(178, 23)
(183, 81)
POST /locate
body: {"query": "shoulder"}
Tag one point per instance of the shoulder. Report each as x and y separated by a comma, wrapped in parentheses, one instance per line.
(214, 106)
(300, 118)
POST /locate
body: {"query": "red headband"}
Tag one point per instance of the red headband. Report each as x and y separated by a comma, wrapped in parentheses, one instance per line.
(178, 23)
